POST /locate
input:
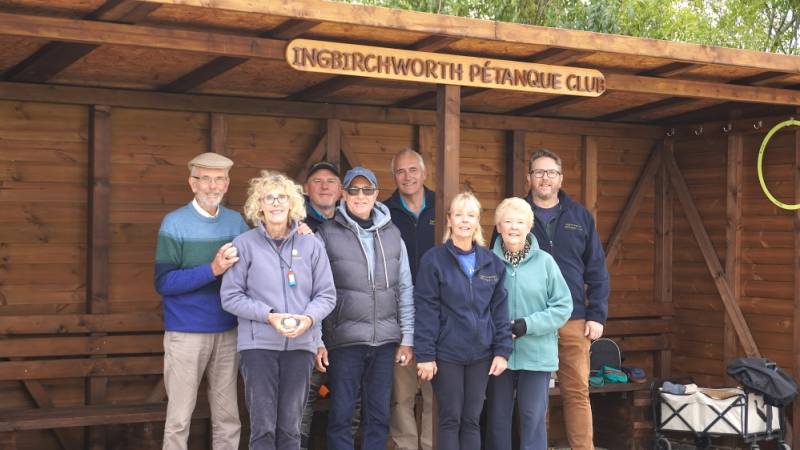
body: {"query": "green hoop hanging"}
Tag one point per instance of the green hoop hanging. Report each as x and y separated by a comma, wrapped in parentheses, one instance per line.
(761, 181)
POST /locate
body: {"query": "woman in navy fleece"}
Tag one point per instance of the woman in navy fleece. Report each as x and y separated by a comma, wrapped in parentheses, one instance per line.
(462, 333)
(281, 290)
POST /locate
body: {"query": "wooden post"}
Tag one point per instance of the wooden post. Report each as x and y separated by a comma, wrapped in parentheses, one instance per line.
(448, 149)
(218, 133)
(663, 248)
(333, 142)
(733, 239)
(589, 156)
(516, 166)
(98, 244)
(796, 313)
(448, 137)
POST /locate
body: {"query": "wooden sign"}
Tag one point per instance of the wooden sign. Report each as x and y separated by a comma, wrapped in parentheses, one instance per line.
(407, 65)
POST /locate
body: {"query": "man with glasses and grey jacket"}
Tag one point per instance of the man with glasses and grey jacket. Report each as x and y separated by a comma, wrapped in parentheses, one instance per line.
(372, 326)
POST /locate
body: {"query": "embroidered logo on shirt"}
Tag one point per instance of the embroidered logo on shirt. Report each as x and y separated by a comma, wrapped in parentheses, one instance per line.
(489, 278)
(573, 227)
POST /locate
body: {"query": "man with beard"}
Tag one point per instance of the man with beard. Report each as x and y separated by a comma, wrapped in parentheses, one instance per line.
(192, 253)
(566, 230)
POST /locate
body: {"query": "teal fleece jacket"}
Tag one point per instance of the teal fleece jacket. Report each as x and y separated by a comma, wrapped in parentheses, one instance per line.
(538, 293)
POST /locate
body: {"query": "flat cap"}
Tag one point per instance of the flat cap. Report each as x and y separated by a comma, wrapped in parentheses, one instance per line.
(210, 160)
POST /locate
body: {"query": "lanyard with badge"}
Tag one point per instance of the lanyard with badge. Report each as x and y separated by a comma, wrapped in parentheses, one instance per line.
(292, 281)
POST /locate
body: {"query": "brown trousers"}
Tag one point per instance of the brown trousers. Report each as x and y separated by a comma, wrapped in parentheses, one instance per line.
(573, 380)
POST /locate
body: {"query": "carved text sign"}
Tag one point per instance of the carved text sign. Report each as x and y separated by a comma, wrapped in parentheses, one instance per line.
(407, 65)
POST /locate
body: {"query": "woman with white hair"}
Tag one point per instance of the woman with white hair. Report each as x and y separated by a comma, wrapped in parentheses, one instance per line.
(539, 303)
(280, 290)
(462, 333)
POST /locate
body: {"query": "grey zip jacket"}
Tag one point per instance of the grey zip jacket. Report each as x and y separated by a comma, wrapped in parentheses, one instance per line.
(374, 291)
(258, 284)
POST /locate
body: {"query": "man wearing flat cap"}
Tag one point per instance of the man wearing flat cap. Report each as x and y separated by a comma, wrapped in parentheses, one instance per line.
(372, 325)
(192, 253)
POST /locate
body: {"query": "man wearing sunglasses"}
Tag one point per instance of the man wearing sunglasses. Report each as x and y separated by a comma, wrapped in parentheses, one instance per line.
(192, 253)
(374, 312)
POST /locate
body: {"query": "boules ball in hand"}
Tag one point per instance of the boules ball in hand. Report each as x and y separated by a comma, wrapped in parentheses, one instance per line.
(289, 323)
(231, 252)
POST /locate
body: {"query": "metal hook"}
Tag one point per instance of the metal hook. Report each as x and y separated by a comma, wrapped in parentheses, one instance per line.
(698, 131)
(758, 125)
(727, 127)
(671, 132)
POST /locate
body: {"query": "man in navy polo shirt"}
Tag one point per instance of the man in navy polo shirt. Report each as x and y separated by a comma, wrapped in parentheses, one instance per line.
(412, 209)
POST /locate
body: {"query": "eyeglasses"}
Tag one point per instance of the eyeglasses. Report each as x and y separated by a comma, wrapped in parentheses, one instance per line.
(539, 173)
(271, 199)
(410, 171)
(367, 190)
(205, 180)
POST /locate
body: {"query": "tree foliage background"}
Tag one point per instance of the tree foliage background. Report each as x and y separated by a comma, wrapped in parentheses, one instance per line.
(766, 25)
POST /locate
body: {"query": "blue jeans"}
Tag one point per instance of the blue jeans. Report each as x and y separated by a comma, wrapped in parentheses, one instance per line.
(369, 370)
(275, 388)
(532, 390)
(460, 391)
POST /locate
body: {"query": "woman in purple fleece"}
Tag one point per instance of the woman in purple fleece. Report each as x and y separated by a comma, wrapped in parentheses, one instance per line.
(280, 290)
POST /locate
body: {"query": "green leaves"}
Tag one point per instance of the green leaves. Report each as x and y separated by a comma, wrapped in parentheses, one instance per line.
(765, 25)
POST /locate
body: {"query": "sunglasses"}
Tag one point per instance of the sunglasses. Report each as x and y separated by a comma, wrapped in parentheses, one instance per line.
(353, 190)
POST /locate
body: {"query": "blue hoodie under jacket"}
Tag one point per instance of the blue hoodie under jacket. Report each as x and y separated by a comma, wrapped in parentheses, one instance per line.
(457, 319)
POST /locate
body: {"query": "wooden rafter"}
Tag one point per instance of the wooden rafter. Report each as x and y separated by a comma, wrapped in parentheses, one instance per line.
(288, 30)
(43, 400)
(589, 154)
(337, 83)
(628, 215)
(54, 57)
(709, 254)
(102, 33)
(761, 79)
(316, 154)
(502, 32)
(239, 105)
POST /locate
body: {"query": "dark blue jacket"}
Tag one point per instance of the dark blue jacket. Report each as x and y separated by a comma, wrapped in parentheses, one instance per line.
(418, 234)
(457, 319)
(313, 218)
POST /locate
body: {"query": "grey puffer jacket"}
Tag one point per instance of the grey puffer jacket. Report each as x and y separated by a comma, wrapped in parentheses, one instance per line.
(374, 291)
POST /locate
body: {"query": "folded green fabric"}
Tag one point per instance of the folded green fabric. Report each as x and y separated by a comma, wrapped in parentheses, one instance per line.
(596, 378)
(613, 375)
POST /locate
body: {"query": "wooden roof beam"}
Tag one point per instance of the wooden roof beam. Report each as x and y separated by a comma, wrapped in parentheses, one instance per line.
(337, 83)
(671, 69)
(560, 101)
(760, 79)
(288, 30)
(54, 57)
(102, 33)
(463, 27)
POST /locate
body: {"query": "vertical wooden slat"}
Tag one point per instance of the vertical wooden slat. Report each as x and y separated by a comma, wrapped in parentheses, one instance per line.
(733, 239)
(333, 141)
(589, 156)
(796, 313)
(448, 137)
(663, 250)
(98, 244)
(218, 133)
(516, 166)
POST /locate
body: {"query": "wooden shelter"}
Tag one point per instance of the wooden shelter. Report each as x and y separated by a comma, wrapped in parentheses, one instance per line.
(102, 102)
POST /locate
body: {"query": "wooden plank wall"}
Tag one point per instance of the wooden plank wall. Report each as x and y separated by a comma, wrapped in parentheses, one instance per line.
(766, 260)
(44, 191)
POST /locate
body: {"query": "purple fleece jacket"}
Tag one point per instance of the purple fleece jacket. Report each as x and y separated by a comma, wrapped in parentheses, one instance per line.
(259, 284)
